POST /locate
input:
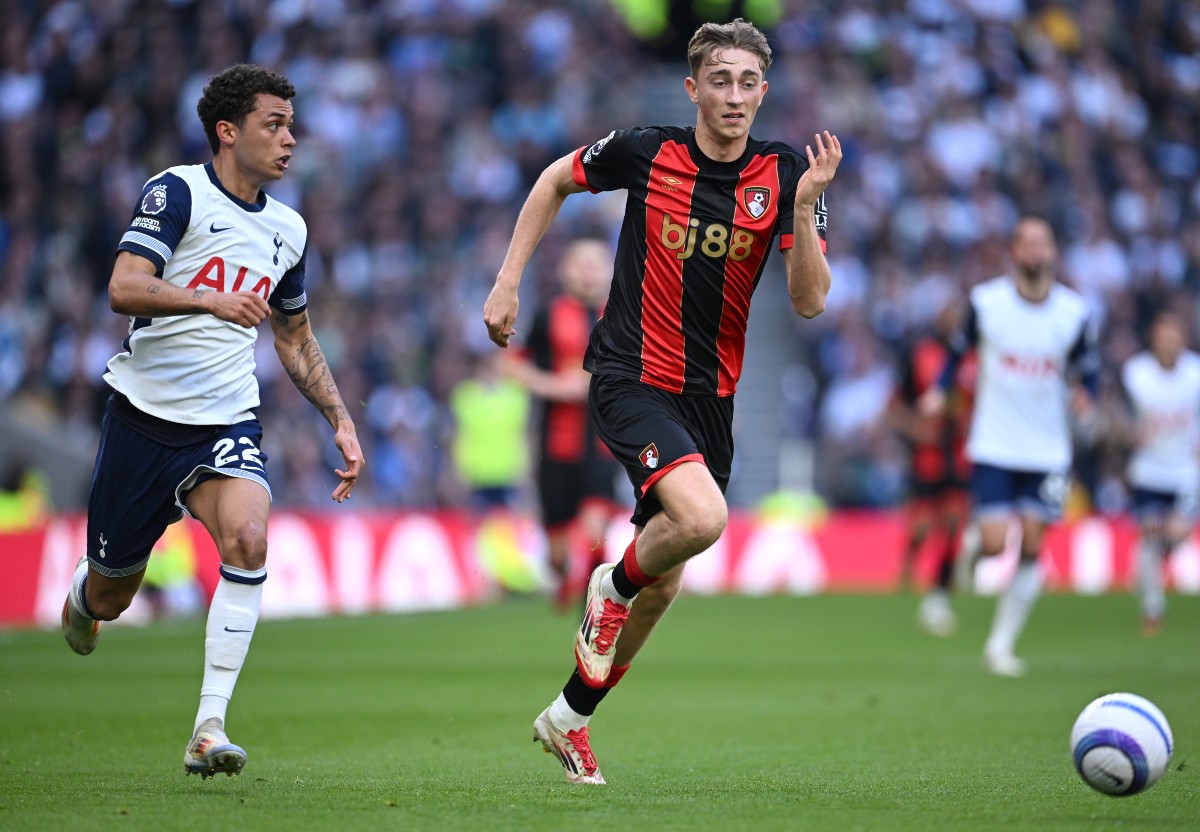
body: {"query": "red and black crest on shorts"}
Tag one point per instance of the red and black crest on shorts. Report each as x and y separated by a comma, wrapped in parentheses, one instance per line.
(757, 200)
(649, 456)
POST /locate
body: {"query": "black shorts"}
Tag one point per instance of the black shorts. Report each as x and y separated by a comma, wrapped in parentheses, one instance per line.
(564, 487)
(139, 485)
(1149, 503)
(650, 430)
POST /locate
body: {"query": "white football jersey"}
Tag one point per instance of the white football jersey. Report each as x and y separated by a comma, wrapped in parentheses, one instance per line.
(198, 369)
(1167, 406)
(1020, 421)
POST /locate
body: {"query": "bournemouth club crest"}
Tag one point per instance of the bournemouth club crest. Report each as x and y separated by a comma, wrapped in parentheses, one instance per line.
(756, 200)
(649, 456)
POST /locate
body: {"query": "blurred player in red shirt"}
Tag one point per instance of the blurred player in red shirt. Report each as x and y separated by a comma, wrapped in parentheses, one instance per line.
(939, 471)
(576, 475)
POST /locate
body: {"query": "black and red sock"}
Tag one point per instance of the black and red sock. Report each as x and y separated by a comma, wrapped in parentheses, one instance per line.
(583, 698)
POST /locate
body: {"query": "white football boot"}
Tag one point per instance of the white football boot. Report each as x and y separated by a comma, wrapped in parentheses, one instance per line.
(595, 643)
(935, 615)
(209, 752)
(1000, 663)
(572, 749)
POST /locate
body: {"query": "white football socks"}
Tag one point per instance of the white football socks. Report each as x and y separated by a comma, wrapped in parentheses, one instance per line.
(565, 718)
(75, 596)
(1151, 591)
(1012, 611)
(231, 620)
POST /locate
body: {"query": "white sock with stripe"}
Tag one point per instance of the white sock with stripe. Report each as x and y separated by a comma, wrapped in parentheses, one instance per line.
(232, 617)
(1012, 611)
(1150, 565)
(78, 585)
(564, 717)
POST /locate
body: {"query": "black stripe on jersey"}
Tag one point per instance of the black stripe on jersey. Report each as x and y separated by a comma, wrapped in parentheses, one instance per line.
(713, 205)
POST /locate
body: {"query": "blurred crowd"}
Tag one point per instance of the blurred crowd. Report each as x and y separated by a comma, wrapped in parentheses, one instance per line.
(423, 123)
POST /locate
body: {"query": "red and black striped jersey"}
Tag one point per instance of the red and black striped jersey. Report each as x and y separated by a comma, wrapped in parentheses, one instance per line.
(946, 456)
(557, 341)
(693, 244)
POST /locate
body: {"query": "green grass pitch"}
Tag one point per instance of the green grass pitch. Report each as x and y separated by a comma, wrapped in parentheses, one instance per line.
(831, 712)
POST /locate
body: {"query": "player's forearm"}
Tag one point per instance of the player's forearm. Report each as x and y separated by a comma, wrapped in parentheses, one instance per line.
(808, 274)
(541, 207)
(143, 295)
(567, 386)
(306, 366)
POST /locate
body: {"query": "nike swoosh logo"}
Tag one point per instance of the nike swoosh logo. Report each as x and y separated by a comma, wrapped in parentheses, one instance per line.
(213, 228)
(236, 631)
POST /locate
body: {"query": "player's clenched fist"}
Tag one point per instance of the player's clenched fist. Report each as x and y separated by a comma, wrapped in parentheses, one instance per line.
(499, 313)
(242, 308)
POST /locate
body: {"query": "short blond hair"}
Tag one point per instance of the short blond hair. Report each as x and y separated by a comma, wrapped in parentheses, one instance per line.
(737, 34)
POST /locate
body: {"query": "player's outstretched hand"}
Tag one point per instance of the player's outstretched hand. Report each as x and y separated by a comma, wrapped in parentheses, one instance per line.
(500, 312)
(822, 165)
(346, 440)
(242, 308)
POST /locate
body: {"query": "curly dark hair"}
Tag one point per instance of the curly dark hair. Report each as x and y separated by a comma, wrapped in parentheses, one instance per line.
(232, 93)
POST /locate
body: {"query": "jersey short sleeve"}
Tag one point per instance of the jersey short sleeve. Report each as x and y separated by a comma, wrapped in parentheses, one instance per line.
(289, 296)
(1085, 356)
(612, 163)
(162, 216)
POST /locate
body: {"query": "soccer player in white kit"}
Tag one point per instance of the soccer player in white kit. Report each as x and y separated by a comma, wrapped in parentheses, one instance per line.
(1163, 388)
(1030, 332)
(206, 257)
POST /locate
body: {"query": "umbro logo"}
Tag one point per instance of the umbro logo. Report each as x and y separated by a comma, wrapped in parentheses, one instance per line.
(214, 230)
(670, 183)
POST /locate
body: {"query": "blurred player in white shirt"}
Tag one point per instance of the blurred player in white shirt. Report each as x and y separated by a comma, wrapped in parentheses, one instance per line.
(1030, 332)
(207, 256)
(1163, 388)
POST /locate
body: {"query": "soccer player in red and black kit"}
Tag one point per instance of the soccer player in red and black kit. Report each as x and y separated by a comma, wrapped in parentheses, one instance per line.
(576, 475)
(939, 471)
(704, 206)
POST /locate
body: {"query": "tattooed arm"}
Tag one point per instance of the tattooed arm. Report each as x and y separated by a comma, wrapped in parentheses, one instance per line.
(136, 289)
(301, 356)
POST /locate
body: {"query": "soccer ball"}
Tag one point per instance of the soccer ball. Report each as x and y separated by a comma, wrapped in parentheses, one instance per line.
(1121, 744)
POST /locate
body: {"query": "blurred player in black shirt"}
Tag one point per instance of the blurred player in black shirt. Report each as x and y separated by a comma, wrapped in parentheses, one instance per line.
(704, 206)
(939, 472)
(576, 475)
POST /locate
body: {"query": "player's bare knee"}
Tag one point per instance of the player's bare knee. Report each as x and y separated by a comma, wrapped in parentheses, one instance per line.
(246, 546)
(701, 528)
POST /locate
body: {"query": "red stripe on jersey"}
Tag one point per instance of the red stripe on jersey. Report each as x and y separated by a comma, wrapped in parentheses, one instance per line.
(567, 422)
(748, 246)
(577, 172)
(668, 211)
